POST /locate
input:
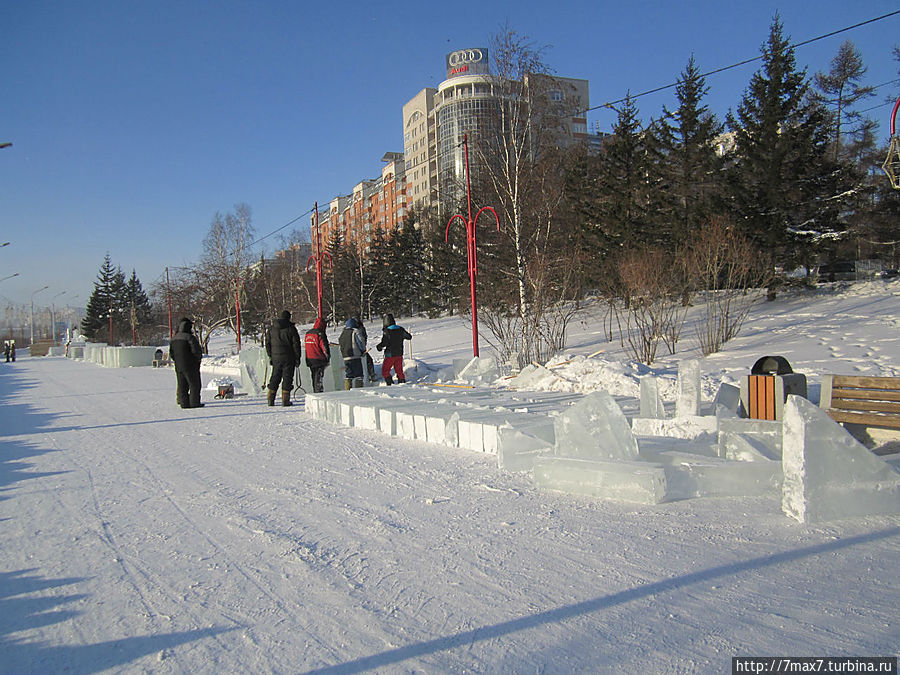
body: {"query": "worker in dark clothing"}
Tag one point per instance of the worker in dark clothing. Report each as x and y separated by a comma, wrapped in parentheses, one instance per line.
(353, 349)
(368, 363)
(185, 353)
(284, 350)
(318, 352)
(392, 344)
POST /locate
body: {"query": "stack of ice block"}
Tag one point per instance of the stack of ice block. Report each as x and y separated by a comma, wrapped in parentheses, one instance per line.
(586, 445)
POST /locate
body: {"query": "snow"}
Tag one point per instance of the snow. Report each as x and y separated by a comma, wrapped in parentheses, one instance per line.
(139, 537)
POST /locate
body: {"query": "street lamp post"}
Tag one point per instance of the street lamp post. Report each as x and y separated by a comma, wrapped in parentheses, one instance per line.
(43, 288)
(10, 276)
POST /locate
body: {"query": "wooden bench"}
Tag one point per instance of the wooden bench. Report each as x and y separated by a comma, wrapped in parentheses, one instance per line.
(867, 401)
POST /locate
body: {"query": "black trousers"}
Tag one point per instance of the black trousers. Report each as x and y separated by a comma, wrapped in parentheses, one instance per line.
(188, 391)
(282, 371)
(317, 370)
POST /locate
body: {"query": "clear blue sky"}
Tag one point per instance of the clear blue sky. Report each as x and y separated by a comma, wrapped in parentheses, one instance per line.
(133, 123)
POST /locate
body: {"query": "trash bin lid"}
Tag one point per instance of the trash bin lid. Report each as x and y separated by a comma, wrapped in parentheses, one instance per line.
(771, 365)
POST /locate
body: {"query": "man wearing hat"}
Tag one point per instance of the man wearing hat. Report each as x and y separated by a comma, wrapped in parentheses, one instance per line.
(284, 350)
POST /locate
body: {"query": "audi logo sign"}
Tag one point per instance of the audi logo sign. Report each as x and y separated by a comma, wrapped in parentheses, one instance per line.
(464, 56)
(467, 61)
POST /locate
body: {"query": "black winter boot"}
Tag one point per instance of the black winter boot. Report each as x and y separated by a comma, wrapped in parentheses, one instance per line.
(389, 380)
(286, 399)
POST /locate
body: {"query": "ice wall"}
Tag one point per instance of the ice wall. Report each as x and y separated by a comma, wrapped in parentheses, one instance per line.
(827, 473)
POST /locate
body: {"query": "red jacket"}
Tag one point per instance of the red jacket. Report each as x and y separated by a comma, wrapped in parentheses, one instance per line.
(315, 344)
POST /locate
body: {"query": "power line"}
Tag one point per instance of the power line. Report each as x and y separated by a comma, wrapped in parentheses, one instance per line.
(288, 224)
(610, 104)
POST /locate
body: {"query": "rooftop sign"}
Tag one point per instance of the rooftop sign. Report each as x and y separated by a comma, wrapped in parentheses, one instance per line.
(467, 62)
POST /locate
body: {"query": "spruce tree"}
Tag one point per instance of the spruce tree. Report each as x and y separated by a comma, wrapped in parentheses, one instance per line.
(781, 180)
(136, 302)
(689, 166)
(407, 269)
(622, 188)
(102, 301)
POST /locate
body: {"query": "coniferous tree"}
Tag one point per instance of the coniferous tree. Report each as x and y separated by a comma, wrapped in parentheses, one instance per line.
(342, 280)
(407, 269)
(586, 242)
(838, 90)
(380, 289)
(780, 180)
(445, 270)
(102, 302)
(137, 303)
(689, 165)
(622, 188)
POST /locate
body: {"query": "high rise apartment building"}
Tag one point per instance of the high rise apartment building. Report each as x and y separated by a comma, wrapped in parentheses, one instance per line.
(431, 167)
(377, 204)
(466, 103)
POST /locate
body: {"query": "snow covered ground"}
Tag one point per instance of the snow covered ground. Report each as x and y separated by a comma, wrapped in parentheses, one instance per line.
(139, 537)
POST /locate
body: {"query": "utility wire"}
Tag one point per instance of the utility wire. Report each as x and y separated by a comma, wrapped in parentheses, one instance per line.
(610, 104)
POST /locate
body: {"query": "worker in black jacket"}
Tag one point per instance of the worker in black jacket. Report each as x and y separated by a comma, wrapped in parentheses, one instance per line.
(284, 349)
(185, 353)
(392, 344)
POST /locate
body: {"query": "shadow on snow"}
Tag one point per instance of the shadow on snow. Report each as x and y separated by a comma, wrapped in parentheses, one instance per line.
(499, 630)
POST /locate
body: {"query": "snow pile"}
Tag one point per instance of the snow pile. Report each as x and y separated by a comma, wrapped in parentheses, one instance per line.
(574, 373)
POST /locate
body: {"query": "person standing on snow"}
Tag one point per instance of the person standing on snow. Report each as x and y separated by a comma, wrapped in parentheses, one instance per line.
(185, 353)
(368, 362)
(318, 353)
(353, 348)
(284, 350)
(392, 344)
(6, 350)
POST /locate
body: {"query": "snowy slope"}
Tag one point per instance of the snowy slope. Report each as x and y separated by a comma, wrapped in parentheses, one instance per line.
(139, 537)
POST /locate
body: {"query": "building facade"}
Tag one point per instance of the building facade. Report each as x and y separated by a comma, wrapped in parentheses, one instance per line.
(431, 168)
(375, 204)
(467, 103)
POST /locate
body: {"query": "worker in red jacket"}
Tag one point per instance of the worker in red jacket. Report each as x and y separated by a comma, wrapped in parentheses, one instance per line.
(318, 353)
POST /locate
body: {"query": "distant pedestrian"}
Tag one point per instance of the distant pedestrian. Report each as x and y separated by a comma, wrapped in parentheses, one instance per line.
(318, 353)
(284, 350)
(353, 349)
(185, 353)
(6, 350)
(12, 350)
(392, 344)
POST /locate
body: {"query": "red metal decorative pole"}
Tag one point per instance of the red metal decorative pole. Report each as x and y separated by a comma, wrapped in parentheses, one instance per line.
(471, 250)
(318, 256)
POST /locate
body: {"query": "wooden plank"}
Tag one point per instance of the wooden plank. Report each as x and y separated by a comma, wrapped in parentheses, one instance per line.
(869, 420)
(866, 382)
(865, 394)
(770, 397)
(752, 387)
(866, 406)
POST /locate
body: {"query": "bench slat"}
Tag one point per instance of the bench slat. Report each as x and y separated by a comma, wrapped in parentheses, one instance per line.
(865, 394)
(866, 406)
(864, 400)
(866, 382)
(866, 419)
